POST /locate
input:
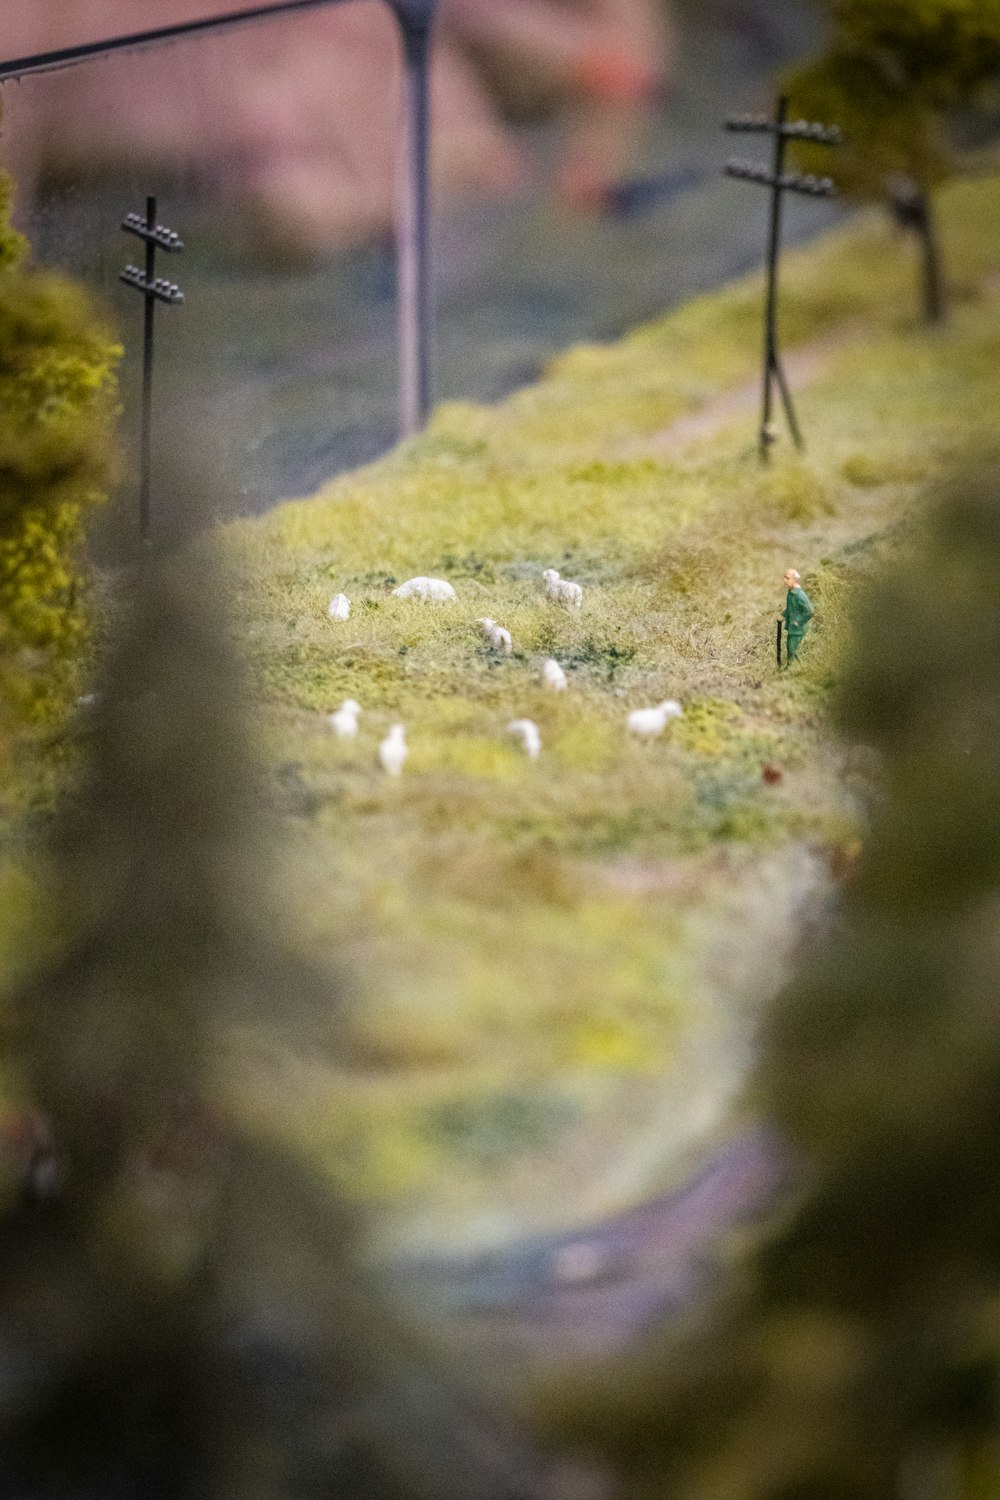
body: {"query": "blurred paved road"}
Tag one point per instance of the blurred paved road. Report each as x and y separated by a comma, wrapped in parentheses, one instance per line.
(571, 1299)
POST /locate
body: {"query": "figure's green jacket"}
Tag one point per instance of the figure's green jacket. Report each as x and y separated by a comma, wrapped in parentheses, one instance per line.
(797, 612)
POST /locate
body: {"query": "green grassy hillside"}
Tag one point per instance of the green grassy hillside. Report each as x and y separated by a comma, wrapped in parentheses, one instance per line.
(555, 964)
(553, 968)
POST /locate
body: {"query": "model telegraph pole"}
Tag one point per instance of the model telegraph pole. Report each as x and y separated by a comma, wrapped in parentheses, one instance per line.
(154, 289)
(780, 182)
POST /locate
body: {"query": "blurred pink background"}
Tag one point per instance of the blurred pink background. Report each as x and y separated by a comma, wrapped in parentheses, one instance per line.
(298, 119)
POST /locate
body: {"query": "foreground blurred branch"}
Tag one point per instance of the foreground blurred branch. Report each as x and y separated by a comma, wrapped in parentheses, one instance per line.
(298, 120)
(181, 1309)
(857, 1355)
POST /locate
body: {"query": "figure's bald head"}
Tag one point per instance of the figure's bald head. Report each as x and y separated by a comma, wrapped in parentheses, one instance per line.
(792, 578)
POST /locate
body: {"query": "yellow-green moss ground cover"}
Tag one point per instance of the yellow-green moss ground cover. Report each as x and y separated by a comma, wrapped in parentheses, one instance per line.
(551, 969)
(552, 965)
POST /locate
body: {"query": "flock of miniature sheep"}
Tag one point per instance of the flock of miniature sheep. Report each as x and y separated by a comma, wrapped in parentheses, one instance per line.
(644, 723)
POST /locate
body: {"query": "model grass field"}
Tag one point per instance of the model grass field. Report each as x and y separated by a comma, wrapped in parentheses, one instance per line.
(555, 965)
(553, 968)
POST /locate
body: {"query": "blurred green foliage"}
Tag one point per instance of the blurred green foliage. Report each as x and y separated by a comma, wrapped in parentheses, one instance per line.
(857, 1353)
(58, 405)
(888, 127)
(894, 72)
(182, 1311)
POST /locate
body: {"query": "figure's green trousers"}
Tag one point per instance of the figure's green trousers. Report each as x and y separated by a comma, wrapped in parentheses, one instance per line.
(794, 641)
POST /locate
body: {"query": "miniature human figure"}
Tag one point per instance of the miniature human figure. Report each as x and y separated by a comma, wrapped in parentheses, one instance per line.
(797, 613)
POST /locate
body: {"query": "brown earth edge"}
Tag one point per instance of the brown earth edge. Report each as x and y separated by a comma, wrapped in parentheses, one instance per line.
(802, 366)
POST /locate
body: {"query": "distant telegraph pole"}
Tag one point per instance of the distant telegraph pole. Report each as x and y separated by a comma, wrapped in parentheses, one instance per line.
(780, 182)
(154, 289)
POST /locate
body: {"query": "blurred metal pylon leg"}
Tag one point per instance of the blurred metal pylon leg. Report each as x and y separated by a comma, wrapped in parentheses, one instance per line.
(413, 236)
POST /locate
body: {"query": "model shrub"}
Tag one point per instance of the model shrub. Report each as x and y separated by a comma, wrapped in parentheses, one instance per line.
(57, 459)
(944, 46)
(893, 75)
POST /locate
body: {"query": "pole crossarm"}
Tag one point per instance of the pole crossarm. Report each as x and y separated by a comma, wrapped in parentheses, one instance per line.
(167, 239)
(71, 57)
(792, 182)
(159, 287)
(796, 130)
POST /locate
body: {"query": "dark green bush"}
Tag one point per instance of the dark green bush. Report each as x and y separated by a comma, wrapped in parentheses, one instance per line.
(58, 404)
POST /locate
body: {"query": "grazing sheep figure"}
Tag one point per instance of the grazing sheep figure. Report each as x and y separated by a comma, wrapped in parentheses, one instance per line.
(344, 722)
(530, 737)
(561, 590)
(425, 588)
(339, 607)
(393, 750)
(553, 676)
(649, 723)
(498, 638)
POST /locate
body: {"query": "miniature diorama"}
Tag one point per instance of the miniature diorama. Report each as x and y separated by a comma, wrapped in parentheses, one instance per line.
(472, 1026)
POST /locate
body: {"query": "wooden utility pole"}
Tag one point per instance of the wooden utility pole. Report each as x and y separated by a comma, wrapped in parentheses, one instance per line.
(780, 182)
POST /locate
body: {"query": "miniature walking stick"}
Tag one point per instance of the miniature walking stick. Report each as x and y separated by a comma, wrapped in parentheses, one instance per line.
(154, 289)
(779, 181)
(779, 642)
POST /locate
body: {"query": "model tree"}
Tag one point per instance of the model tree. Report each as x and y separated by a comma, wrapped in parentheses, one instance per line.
(185, 1311)
(892, 75)
(57, 408)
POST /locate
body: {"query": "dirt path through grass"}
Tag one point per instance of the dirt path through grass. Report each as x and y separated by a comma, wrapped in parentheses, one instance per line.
(802, 366)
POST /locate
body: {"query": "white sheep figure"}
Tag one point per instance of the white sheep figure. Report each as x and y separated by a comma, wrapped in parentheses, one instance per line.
(339, 607)
(560, 589)
(435, 589)
(393, 750)
(344, 722)
(553, 676)
(530, 737)
(649, 723)
(498, 638)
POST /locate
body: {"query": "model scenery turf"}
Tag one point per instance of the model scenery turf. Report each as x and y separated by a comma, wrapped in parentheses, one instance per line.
(555, 962)
(536, 944)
